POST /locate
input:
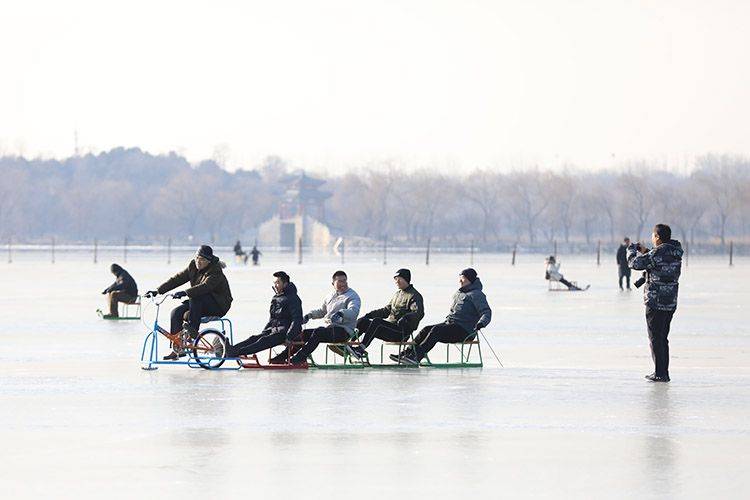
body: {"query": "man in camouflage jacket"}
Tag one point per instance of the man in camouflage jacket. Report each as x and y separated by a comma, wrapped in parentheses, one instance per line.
(662, 264)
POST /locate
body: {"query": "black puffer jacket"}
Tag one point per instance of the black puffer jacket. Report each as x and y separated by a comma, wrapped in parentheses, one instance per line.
(663, 266)
(470, 309)
(124, 282)
(286, 313)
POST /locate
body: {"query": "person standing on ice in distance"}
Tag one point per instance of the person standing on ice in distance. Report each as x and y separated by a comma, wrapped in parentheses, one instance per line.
(208, 295)
(623, 269)
(396, 321)
(553, 273)
(663, 265)
(470, 312)
(284, 324)
(339, 311)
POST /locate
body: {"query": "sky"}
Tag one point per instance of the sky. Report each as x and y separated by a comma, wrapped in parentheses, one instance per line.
(334, 85)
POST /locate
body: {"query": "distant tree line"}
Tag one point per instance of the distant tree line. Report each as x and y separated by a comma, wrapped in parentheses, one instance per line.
(148, 198)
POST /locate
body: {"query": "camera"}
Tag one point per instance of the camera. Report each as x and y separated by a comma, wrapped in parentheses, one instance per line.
(640, 281)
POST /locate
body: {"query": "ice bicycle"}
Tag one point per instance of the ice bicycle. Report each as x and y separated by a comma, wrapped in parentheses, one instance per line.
(206, 350)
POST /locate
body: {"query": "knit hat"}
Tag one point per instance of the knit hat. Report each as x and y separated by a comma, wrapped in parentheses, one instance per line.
(403, 273)
(470, 274)
(206, 252)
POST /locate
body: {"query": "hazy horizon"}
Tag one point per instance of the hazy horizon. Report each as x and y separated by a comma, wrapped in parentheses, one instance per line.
(332, 85)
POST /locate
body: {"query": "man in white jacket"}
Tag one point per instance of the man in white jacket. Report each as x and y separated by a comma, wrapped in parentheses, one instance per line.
(339, 311)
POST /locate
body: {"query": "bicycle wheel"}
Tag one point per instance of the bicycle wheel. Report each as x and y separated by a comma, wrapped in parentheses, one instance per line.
(209, 348)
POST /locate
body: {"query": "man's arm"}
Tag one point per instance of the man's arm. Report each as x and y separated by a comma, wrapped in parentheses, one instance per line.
(296, 325)
(209, 285)
(485, 313)
(416, 308)
(642, 262)
(178, 279)
(320, 312)
(351, 311)
(383, 312)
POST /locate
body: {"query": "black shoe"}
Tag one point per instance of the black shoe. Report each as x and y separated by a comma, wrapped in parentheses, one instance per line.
(394, 358)
(409, 359)
(648, 377)
(173, 355)
(279, 359)
(657, 378)
(357, 351)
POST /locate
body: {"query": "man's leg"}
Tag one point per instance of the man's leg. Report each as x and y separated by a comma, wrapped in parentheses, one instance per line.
(567, 283)
(284, 355)
(658, 329)
(363, 324)
(621, 276)
(627, 279)
(177, 317)
(200, 306)
(113, 296)
(321, 334)
(444, 332)
(259, 343)
(384, 330)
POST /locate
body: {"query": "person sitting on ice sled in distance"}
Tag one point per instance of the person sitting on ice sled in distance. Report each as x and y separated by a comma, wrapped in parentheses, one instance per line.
(284, 324)
(469, 313)
(124, 289)
(553, 273)
(396, 321)
(339, 311)
(208, 295)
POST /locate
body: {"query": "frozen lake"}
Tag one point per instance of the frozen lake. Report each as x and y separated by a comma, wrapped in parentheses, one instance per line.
(568, 416)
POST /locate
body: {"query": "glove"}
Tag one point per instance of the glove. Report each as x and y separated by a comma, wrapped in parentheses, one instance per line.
(151, 293)
(179, 295)
(337, 317)
(305, 318)
(104, 292)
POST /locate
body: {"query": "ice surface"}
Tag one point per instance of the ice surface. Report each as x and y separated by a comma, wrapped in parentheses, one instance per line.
(569, 416)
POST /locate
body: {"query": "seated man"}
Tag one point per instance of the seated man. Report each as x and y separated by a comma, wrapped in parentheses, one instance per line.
(285, 322)
(469, 313)
(553, 273)
(123, 289)
(339, 311)
(395, 321)
(208, 295)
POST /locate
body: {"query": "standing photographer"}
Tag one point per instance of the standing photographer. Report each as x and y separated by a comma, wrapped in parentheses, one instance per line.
(662, 266)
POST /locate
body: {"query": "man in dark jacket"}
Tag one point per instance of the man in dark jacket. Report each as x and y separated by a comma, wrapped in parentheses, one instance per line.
(469, 313)
(208, 295)
(396, 321)
(285, 321)
(622, 262)
(124, 289)
(663, 265)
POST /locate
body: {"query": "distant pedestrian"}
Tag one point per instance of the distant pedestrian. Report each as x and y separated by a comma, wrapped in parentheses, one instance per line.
(623, 270)
(239, 254)
(256, 254)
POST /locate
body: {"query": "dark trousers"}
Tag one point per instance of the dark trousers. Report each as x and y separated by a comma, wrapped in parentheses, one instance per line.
(566, 283)
(447, 333)
(313, 338)
(624, 273)
(119, 296)
(257, 343)
(193, 310)
(379, 328)
(658, 323)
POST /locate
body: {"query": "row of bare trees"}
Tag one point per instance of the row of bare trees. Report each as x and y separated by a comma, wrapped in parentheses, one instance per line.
(535, 205)
(127, 192)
